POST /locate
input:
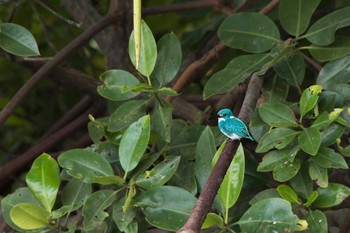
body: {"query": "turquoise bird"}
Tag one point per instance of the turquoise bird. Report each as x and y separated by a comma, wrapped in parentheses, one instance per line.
(231, 126)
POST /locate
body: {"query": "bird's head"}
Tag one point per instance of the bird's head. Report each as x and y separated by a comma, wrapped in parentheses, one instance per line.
(224, 113)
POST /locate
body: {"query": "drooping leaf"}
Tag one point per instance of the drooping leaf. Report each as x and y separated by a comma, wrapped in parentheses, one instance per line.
(93, 210)
(17, 40)
(113, 83)
(126, 114)
(328, 158)
(317, 222)
(43, 180)
(212, 220)
(322, 32)
(165, 203)
(235, 72)
(159, 174)
(338, 49)
(288, 194)
(295, 15)
(310, 140)
(277, 114)
(291, 68)
(333, 195)
(168, 60)
(85, 165)
(269, 215)
(277, 138)
(123, 218)
(29, 216)
(250, 32)
(134, 143)
(148, 50)
(161, 121)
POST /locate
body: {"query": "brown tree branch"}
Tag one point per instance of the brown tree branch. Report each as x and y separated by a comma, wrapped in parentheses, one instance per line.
(48, 67)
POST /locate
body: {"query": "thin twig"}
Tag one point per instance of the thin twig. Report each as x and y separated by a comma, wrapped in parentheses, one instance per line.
(48, 67)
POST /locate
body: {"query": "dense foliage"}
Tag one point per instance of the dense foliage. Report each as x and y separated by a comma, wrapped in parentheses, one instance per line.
(152, 151)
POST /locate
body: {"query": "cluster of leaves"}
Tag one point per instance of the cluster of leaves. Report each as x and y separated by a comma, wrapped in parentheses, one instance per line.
(147, 168)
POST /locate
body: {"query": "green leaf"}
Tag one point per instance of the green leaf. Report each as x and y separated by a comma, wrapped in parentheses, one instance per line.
(168, 60)
(75, 193)
(212, 220)
(107, 180)
(167, 91)
(343, 150)
(277, 115)
(43, 180)
(311, 198)
(123, 218)
(232, 184)
(277, 138)
(317, 222)
(164, 203)
(161, 121)
(269, 215)
(339, 49)
(288, 194)
(291, 68)
(310, 140)
(113, 83)
(93, 210)
(319, 174)
(236, 71)
(257, 126)
(277, 158)
(295, 15)
(205, 151)
(322, 121)
(126, 114)
(21, 195)
(184, 177)
(265, 194)
(29, 216)
(251, 32)
(85, 165)
(328, 158)
(302, 183)
(159, 174)
(218, 153)
(275, 89)
(333, 195)
(323, 31)
(331, 134)
(148, 50)
(309, 98)
(134, 143)
(286, 171)
(17, 40)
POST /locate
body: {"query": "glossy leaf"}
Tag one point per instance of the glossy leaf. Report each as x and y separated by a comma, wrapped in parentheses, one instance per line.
(339, 49)
(85, 165)
(328, 158)
(161, 121)
(317, 222)
(265, 194)
(331, 134)
(302, 183)
(277, 158)
(164, 203)
(269, 215)
(277, 138)
(205, 151)
(17, 40)
(343, 150)
(168, 60)
(123, 218)
(311, 198)
(310, 140)
(113, 83)
(322, 121)
(287, 193)
(235, 72)
(308, 99)
(250, 32)
(43, 180)
(134, 143)
(333, 195)
(93, 210)
(159, 174)
(286, 171)
(75, 193)
(257, 127)
(108, 180)
(322, 32)
(29, 216)
(212, 220)
(21, 195)
(232, 184)
(277, 115)
(218, 153)
(126, 114)
(295, 15)
(319, 174)
(148, 50)
(291, 68)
